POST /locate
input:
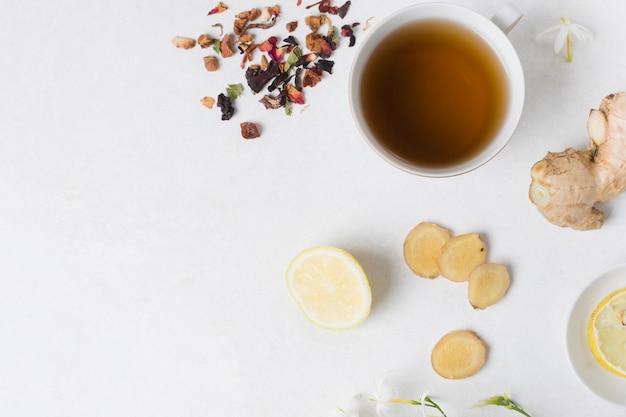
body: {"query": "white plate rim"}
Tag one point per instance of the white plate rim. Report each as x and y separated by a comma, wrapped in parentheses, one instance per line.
(598, 380)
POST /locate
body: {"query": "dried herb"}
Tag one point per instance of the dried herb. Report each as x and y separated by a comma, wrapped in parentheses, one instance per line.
(325, 6)
(218, 9)
(226, 106)
(283, 71)
(208, 102)
(258, 78)
(249, 130)
(225, 47)
(291, 26)
(210, 63)
(347, 31)
(312, 77)
(219, 25)
(234, 91)
(292, 59)
(325, 65)
(273, 102)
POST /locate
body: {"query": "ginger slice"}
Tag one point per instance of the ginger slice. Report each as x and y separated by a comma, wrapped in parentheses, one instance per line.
(487, 285)
(422, 246)
(458, 354)
(461, 255)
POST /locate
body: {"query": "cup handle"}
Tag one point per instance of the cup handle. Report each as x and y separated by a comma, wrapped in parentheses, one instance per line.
(507, 17)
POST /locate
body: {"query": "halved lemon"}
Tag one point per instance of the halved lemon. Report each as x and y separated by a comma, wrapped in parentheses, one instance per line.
(330, 287)
(606, 332)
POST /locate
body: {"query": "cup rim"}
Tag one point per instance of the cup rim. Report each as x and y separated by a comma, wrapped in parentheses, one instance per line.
(491, 34)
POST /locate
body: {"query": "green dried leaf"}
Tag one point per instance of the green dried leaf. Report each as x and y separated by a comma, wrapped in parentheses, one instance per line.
(217, 46)
(234, 91)
(293, 57)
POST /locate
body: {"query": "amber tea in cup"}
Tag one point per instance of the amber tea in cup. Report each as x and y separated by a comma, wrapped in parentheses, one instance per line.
(434, 94)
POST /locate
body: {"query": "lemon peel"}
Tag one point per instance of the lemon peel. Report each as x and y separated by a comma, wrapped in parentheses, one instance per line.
(606, 333)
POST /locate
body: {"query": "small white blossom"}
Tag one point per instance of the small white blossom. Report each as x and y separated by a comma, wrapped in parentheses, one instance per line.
(383, 395)
(564, 32)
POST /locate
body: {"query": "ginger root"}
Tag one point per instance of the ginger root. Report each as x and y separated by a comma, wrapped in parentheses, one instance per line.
(458, 354)
(567, 185)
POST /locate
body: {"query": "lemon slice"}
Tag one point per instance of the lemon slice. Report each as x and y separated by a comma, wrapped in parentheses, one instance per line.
(330, 287)
(606, 333)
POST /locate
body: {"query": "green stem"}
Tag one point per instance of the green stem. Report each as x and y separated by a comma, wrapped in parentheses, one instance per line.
(513, 406)
(428, 402)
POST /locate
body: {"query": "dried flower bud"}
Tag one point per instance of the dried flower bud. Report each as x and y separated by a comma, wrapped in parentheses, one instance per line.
(183, 43)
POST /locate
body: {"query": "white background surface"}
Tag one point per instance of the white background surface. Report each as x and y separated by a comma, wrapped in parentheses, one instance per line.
(144, 242)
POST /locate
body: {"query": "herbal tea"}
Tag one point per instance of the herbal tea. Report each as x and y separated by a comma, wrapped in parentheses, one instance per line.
(434, 93)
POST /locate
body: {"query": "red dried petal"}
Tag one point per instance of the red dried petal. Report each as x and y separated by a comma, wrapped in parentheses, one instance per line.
(294, 95)
(312, 77)
(218, 9)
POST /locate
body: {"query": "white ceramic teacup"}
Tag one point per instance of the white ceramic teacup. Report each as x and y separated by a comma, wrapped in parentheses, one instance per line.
(493, 33)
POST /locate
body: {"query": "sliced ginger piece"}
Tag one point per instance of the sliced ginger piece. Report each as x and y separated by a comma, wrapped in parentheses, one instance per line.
(461, 255)
(422, 246)
(487, 285)
(458, 354)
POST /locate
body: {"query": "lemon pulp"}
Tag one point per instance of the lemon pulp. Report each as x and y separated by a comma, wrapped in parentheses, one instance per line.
(606, 333)
(330, 287)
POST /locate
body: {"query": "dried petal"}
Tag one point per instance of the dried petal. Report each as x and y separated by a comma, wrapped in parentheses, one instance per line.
(226, 105)
(204, 41)
(257, 78)
(325, 65)
(248, 14)
(264, 62)
(343, 10)
(225, 48)
(211, 63)
(218, 9)
(268, 44)
(312, 77)
(319, 44)
(316, 22)
(239, 27)
(249, 130)
(208, 102)
(294, 95)
(347, 31)
(183, 43)
(292, 26)
(246, 38)
(271, 102)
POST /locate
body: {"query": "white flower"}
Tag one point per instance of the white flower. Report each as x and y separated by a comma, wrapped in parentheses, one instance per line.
(563, 37)
(383, 395)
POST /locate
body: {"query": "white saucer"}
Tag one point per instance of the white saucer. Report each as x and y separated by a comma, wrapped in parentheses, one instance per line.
(598, 380)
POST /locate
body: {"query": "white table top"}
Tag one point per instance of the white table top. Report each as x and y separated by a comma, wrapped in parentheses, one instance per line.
(144, 242)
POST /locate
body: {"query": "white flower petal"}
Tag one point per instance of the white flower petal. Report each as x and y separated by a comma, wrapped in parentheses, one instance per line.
(560, 40)
(424, 395)
(550, 30)
(582, 33)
